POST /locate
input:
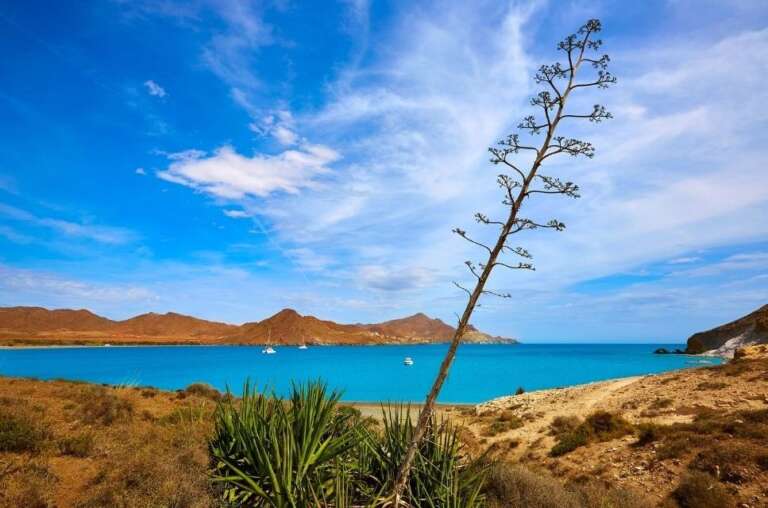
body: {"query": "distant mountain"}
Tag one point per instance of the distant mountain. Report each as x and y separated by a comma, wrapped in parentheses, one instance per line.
(171, 324)
(285, 327)
(290, 327)
(38, 319)
(421, 328)
(748, 330)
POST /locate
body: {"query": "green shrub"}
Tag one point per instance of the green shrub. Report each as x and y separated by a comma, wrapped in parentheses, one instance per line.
(441, 474)
(699, 490)
(269, 453)
(568, 442)
(648, 433)
(606, 426)
(309, 451)
(76, 446)
(19, 433)
(520, 390)
(599, 426)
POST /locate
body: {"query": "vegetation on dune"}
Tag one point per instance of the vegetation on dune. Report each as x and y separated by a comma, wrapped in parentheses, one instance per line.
(20, 432)
(516, 486)
(598, 426)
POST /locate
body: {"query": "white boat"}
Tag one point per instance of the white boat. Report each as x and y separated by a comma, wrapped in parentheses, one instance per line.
(408, 361)
(303, 346)
(268, 350)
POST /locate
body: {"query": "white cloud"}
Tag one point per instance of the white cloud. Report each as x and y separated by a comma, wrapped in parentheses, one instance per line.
(236, 214)
(683, 260)
(140, 171)
(29, 282)
(229, 175)
(309, 260)
(101, 234)
(154, 89)
(284, 135)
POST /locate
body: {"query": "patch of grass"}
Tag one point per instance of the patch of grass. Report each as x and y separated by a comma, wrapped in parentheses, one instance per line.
(660, 404)
(508, 486)
(203, 390)
(515, 486)
(27, 484)
(19, 433)
(678, 444)
(700, 490)
(506, 421)
(101, 406)
(186, 414)
(77, 446)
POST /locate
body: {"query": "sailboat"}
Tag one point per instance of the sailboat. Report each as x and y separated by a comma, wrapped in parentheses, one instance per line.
(303, 346)
(268, 350)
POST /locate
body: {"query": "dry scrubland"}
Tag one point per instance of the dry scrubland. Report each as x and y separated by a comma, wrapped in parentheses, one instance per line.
(695, 438)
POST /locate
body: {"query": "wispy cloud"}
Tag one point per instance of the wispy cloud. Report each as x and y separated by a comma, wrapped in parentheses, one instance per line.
(97, 233)
(154, 89)
(30, 282)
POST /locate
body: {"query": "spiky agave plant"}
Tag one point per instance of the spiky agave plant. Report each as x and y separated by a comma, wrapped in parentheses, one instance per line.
(442, 476)
(267, 451)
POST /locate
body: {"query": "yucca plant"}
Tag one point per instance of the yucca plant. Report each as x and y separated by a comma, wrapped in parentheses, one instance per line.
(442, 476)
(271, 452)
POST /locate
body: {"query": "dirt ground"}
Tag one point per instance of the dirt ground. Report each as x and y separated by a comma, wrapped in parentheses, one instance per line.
(669, 401)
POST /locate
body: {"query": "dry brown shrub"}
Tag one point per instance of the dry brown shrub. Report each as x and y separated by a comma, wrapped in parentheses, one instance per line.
(700, 490)
(100, 406)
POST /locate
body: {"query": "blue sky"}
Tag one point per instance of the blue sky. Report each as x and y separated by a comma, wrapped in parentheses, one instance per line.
(227, 159)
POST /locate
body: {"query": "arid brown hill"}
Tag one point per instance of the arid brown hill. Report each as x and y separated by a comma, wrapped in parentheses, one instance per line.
(751, 329)
(38, 319)
(35, 324)
(419, 325)
(172, 325)
(290, 327)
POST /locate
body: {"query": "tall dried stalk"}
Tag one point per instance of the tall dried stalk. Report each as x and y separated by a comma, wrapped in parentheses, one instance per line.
(518, 186)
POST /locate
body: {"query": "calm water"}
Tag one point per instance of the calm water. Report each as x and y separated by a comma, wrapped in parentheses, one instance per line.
(364, 373)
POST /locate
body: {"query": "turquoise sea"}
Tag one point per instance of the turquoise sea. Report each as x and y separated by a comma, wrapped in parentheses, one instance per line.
(363, 373)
